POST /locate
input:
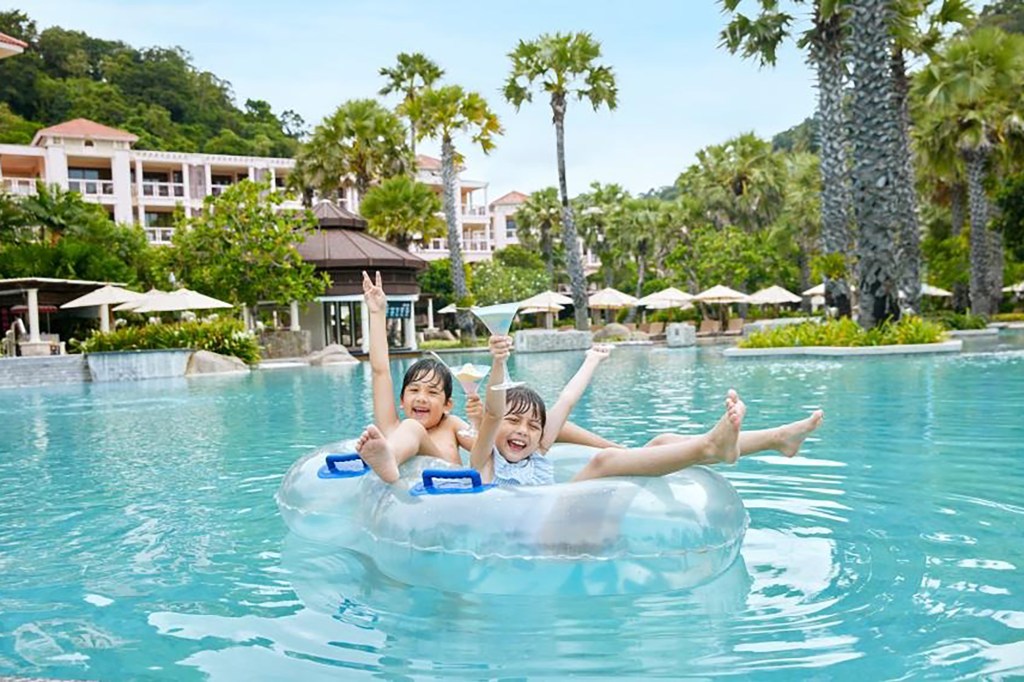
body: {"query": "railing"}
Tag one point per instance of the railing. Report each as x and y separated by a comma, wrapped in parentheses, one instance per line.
(468, 245)
(159, 235)
(216, 190)
(156, 188)
(92, 188)
(24, 187)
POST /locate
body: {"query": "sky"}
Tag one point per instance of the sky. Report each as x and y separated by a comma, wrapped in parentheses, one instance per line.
(678, 91)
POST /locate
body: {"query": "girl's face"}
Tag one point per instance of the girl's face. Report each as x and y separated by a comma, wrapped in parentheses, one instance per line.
(518, 435)
(424, 401)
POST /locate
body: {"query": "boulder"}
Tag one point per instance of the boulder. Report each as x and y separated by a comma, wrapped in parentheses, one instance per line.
(207, 362)
(332, 354)
(612, 332)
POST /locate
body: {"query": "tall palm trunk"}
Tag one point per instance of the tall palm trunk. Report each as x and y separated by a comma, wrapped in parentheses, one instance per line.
(462, 317)
(875, 125)
(577, 280)
(905, 191)
(957, 210)
(978, 208)
(548, 249)
(826, 53)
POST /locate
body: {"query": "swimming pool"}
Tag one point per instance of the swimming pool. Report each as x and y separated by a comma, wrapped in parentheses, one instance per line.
(139, 537)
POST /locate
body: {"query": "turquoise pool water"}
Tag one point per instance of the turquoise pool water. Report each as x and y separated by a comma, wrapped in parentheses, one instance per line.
(139, 537)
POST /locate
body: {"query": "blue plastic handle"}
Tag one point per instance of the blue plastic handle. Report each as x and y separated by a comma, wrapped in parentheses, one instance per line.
(450, 482)
(348, 469)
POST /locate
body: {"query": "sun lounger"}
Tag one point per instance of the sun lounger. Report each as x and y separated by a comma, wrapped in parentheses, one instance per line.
(709, 328)
(735, 327)
(656, 330)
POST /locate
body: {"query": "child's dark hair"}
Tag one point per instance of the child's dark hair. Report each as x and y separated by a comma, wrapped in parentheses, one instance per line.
(525, 400)
(426, 368)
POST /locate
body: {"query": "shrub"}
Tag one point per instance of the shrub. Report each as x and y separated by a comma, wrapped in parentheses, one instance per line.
(953, 320)
(1008, 317)
(846, 332)
(225, 336)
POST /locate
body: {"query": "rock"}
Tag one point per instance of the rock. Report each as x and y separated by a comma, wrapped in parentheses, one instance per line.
(680, 335)
(334, 354)
(438, 335)
(207, 362)
(612, 332)
(543, 340)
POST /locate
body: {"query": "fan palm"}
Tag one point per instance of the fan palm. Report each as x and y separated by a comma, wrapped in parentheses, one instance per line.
(563, 65)
(402, 211)
(410, 76)
(444, 113)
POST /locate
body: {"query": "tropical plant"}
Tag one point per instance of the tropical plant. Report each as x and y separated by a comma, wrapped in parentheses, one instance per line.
(410, 76)
(563, 66)
(360, 144)
(225, 336)
(402, 211)
(759, 38)
(241, 248)
(496, 282)
(844, 332)
(537, 223)
(598, 213)
(798, 229)
(971, 93)
(443, 113)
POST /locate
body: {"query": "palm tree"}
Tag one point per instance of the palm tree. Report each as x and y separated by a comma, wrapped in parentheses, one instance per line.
(973, 92)
(799, 225)
(563, 65)
(360, 144)
(443, 113)
(760, 37)
(876, 136)
(410, 76)
(402, 211)
(600, 211)
(55, 212)
(536, 221)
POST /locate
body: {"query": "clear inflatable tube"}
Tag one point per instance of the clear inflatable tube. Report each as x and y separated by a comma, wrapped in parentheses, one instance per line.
(606, 536)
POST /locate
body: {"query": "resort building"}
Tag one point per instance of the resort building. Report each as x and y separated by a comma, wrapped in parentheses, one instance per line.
(134, 186)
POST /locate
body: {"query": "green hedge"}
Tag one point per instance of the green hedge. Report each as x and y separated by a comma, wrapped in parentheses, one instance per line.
(227, 337)
(846, 332)
(1008, 317)
(952, 320)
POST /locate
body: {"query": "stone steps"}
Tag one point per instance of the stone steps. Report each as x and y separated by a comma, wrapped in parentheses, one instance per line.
(43, 371)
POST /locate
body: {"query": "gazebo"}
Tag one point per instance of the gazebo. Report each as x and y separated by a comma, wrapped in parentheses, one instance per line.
(342, 249)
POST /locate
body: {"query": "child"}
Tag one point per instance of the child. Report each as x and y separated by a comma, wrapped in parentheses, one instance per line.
(426, 400)
(511, 432)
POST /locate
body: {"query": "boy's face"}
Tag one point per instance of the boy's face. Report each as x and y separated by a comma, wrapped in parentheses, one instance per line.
(518, 435)
(424, 401)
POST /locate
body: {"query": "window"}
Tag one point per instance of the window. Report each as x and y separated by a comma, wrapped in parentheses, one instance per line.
(159, 219)
(510, 228)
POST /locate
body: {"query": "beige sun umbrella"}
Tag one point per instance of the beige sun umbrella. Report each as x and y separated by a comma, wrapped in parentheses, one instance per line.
(104, 297)
(611, 299)
(130, 306)
(180, 299)
(720, 294)
(1017, 288)
(549, 311)
(546, 299)
(666, 298)
(773, 295)
(448, 309)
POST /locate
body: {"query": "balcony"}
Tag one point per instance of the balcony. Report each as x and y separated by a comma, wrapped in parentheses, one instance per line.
(92, 188)
(22, 187)
(159, 236)
(476, 246)
(476, 214)
(170, 190)
(218, 189)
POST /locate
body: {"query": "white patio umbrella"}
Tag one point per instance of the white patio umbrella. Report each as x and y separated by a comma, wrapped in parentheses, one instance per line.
(132, 305)
(1017, 288)
(929, 290)
(180, 299)
(545, 299)
(104, 297)
(448, 309)
(611, 299)
(666, 298)
(773, 295)
(548, 311)
(816, 290)
(720, 294)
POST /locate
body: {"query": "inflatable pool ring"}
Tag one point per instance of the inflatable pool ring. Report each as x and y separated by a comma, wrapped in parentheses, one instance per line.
(439, 527)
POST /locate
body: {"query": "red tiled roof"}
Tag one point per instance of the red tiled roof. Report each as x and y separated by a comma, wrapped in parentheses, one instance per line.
(512, 197)
(4, 38)
(83, 127)
(428, 163)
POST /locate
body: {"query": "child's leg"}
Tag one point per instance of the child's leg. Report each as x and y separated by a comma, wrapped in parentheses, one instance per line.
(385, 454)
(786, 439)
(719, 444)
(577, 435)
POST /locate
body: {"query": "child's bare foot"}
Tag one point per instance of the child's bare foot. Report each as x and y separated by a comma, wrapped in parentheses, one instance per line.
(723, 438)
(791, 436)
(373, 447)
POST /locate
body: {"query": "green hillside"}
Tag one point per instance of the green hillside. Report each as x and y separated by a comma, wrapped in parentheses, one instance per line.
(155, 92)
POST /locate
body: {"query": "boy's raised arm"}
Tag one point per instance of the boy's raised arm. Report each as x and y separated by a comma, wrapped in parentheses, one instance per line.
(481, 457)
(385, 416)
(558, 415)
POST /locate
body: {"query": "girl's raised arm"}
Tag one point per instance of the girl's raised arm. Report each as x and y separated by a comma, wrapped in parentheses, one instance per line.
(558, 415)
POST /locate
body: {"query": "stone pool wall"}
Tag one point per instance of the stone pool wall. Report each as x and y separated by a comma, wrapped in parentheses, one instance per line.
(43, 371)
